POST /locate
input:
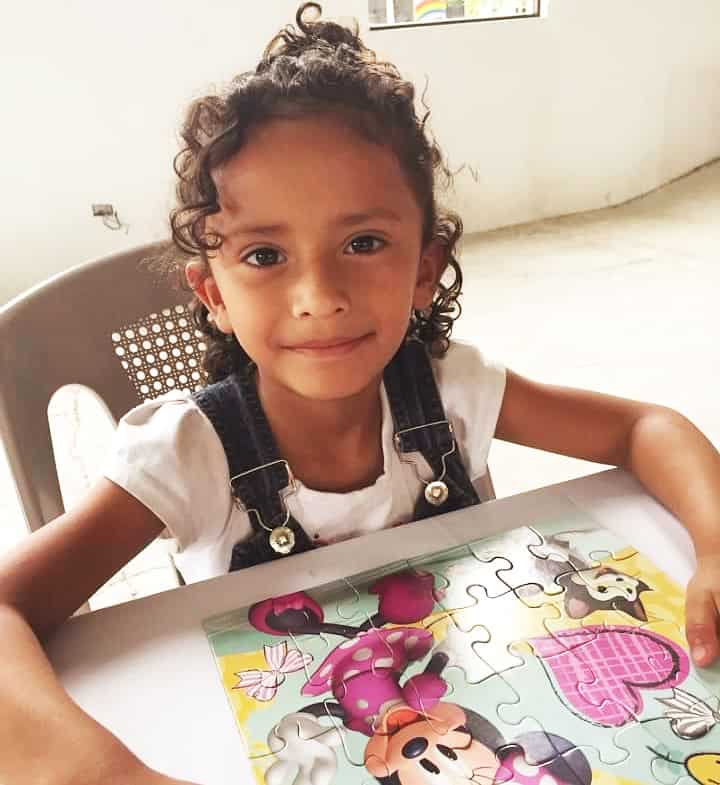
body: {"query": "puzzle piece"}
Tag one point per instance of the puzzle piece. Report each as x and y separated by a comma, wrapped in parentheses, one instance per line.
(583, 547)
(515, 563)
(351, 608)
(690, 716)
(627, 662)
(667, 772)
(538, 756)
(558, 565)
(603, 588)
(316, 646)
(352, 747)
(683, 733)
(459, 573)
(606, 753)
(613, 557)
(303, 748)
(703, 768)
(360, 608)
(673, 760)
(435, 566)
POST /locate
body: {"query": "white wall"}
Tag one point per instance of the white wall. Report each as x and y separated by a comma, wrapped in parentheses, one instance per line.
(601, 101)
(598, 102)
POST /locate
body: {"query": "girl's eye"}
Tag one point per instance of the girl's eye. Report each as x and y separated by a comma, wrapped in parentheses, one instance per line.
(262, 257)
(366, 244)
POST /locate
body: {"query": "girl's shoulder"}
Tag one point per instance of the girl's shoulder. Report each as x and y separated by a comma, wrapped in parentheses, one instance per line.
(166, 453)
(171, 405)
(167, 418)
(464, 365)
(471, 386)
(171, 426)
(172, 422)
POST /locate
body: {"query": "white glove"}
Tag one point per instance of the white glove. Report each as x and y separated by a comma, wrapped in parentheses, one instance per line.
(302, 744)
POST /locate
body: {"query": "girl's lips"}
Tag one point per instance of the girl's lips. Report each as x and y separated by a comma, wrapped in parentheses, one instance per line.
(332, 348)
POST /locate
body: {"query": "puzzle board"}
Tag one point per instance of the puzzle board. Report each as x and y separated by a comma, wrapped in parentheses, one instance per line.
(551, 654)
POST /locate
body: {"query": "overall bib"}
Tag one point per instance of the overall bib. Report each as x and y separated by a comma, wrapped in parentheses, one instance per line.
(261, 478)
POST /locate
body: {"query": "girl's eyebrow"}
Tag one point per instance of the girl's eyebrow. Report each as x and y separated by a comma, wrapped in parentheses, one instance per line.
(358, 218)
(349, 219)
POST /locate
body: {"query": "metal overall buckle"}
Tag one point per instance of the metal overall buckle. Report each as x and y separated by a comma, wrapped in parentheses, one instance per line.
(436, 491)
(281, 537)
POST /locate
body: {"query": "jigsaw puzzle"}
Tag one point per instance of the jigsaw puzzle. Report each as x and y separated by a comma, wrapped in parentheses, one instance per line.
(549, 655)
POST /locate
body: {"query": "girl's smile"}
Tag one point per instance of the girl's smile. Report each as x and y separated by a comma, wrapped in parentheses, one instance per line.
(330, 348)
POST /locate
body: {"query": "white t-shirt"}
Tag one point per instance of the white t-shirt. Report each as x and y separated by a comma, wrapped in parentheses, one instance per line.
(168, 456)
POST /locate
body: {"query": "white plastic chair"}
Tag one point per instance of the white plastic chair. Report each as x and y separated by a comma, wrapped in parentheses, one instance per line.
(111, 325)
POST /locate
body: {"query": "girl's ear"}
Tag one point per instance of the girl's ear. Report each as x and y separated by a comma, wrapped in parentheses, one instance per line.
(433, 261)
(206, 289)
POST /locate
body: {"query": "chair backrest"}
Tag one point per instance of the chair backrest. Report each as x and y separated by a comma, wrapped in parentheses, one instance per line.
(112, 325)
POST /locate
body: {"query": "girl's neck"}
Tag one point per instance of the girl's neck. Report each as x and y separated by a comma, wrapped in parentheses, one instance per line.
(330, 445)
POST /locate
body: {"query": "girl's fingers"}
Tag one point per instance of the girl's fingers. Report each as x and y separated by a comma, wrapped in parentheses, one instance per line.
(701, 611)
(716, 625)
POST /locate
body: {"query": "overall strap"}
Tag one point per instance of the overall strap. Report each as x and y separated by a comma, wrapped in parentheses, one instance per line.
(421, 426)
(233, 407)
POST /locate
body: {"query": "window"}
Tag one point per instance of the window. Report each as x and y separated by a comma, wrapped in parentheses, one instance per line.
(406, 13)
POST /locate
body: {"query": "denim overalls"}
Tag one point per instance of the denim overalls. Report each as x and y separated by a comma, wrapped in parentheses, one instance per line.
(261, 477)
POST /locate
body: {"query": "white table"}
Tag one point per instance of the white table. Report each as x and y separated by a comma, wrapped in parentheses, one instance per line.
(144, 669)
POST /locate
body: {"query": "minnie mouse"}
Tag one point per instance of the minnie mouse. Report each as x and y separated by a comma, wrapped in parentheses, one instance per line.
(414, 736)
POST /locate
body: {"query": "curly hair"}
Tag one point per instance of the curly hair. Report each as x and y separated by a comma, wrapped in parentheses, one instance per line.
(319, 66)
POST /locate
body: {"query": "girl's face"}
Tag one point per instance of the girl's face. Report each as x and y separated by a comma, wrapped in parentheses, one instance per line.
(322, 259)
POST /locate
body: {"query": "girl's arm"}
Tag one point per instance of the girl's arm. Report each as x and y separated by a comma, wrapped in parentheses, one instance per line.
(44, 735)
(664, 450)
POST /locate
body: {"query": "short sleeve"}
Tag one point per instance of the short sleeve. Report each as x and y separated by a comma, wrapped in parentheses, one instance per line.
(471, 387)
(167, 455)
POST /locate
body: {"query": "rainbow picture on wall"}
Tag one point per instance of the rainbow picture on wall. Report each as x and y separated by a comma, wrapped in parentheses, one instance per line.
(430, 10)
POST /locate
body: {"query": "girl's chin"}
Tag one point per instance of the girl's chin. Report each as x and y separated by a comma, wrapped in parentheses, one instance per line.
(336, 383)
(333, 389)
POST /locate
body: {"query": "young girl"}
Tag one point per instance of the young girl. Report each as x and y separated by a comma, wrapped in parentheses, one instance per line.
(326, 284)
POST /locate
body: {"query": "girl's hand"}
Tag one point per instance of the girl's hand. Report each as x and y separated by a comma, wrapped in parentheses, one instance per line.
(702, 611)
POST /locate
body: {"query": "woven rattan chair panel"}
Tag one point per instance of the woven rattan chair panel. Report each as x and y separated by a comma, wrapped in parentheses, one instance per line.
(161, 352)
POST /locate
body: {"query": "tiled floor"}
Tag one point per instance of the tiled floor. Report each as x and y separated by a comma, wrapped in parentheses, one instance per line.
(622, 300)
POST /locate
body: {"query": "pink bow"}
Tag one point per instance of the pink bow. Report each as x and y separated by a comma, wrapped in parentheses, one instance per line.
(263, 685)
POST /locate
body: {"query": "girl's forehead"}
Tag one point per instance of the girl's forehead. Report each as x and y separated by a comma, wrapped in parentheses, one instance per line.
(313, 160)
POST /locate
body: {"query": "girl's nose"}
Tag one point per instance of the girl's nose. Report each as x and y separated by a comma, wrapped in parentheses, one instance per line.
(320, 295)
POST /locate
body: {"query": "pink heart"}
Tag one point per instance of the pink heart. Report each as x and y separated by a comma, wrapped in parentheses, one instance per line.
(601, 670)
